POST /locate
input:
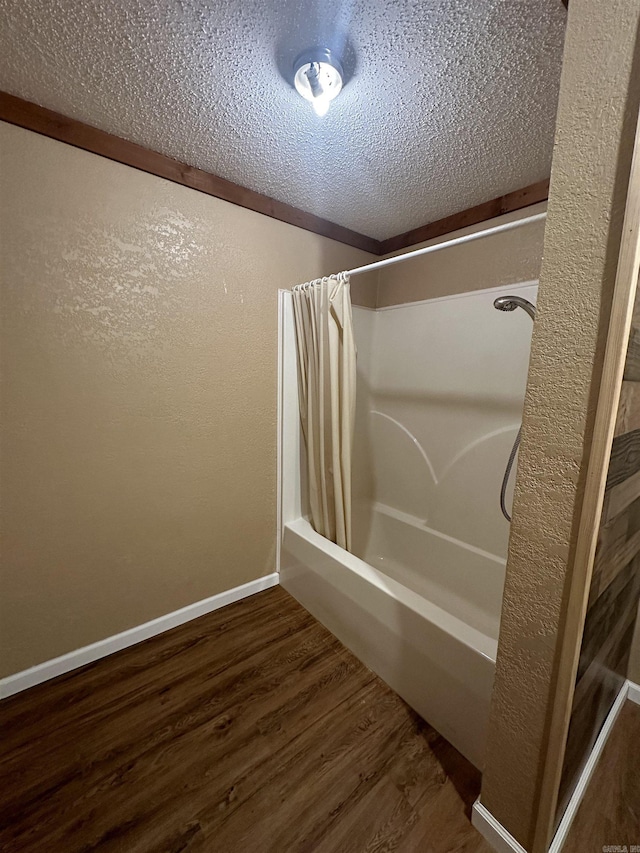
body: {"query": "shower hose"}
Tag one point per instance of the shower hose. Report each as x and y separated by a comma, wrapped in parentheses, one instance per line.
(507, 474)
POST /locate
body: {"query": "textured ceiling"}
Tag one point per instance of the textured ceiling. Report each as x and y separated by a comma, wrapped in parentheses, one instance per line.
(448, 102)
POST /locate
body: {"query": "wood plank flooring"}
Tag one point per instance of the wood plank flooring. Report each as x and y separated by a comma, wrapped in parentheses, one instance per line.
(609, 814)
(250, 729)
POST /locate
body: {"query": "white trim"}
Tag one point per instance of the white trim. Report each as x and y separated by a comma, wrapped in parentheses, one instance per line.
(493, 831)
(80, 657)
(501, 288)
(587, 771)
(279, 420)
(633, 694)
(290, 438)
(503, 841)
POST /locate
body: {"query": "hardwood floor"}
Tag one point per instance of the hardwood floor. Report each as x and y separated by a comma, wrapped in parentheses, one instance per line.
(250, 729)
(609, 814)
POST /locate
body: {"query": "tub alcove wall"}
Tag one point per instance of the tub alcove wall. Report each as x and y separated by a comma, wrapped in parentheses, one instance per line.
(440, 390)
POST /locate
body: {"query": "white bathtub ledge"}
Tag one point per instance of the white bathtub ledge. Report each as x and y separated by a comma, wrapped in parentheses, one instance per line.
(470, 636)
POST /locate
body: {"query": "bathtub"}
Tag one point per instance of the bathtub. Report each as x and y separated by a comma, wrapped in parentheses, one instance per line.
(418, 605)
(421, 610)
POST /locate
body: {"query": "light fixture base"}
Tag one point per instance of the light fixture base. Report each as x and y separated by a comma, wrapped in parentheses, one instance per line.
(318, 77)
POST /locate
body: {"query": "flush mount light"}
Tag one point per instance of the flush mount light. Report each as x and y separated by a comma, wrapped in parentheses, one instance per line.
(318, 78)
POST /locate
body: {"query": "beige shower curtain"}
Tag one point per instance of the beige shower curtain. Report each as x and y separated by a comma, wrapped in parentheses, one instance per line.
(327, 391)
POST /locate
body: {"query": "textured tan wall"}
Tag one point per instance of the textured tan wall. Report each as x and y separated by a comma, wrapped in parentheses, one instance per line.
(506, 258)
(139, 402)
(364, 288)
(596, 123)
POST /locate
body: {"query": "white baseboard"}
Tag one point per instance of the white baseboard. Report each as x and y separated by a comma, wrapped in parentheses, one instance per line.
(634, 692)
(80, 657)
(587, 771)
(495, 833)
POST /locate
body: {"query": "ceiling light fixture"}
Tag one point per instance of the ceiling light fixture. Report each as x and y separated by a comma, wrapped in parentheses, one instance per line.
(318, 78)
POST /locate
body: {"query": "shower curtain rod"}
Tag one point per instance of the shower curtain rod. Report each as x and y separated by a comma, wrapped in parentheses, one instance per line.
(456, 241)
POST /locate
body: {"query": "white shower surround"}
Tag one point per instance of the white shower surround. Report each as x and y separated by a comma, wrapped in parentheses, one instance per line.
(440, 391)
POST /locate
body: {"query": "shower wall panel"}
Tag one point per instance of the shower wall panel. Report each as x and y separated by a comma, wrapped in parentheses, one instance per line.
(440, 391)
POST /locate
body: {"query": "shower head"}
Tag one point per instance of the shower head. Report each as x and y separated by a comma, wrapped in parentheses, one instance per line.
(510, 303)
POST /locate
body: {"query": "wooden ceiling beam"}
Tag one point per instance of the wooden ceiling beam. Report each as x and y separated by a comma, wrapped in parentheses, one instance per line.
(472, 216)
(56, 126)
(63, 129)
